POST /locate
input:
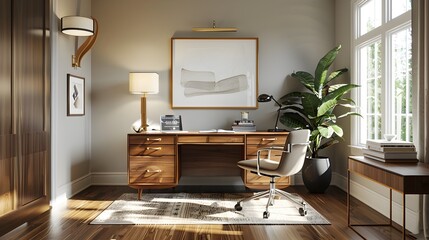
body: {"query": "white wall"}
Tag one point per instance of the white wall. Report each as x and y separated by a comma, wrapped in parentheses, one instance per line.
(71, 136)
(135, 36)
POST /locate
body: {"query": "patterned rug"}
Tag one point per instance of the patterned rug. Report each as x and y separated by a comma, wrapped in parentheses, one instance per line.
(202, 208)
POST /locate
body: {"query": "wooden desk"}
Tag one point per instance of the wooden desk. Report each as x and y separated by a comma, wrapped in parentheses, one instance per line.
(159, 159)
(405, 178)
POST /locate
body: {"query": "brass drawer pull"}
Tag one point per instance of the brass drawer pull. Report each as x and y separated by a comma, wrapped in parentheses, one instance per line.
(269, 139)
(154, 139)
(153, 171)
(154, 148)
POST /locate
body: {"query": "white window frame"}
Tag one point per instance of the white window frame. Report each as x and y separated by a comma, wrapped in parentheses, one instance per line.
(383, 34)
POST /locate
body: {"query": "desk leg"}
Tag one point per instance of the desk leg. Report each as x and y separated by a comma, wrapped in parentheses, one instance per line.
(390, 213)
(403, 217)
(139, 193)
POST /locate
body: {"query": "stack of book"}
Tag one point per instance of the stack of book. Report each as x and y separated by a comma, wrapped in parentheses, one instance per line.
(244, 126)
(390, 151)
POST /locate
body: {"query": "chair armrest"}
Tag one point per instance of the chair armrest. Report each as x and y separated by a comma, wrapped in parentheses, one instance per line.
(268, 149)
(279, 148)
(276, 148)
(289, 146)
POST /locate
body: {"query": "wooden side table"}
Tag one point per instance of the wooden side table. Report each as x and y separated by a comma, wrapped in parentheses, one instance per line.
(405, 178)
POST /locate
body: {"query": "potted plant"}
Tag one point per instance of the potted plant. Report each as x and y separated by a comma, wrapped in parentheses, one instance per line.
(314, 110)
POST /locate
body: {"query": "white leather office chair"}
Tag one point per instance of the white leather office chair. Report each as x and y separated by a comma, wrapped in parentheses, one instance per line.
(291, 162)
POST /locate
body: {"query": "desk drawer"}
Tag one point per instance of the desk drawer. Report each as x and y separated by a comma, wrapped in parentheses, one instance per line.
(192, 139)
(151, 150)
(151, 170)
(151, 139)
(266, 140)
(226, 139)
(210, 139)
(253, 149)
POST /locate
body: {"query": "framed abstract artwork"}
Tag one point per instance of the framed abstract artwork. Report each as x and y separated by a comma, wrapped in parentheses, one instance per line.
(214, 73)
(75, 95)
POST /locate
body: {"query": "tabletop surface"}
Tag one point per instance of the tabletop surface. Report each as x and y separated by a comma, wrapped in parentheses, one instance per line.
(402, 169)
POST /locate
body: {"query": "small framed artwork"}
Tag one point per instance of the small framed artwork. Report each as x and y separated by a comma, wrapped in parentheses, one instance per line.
(171, 123)
(75, 95)
(214, 73)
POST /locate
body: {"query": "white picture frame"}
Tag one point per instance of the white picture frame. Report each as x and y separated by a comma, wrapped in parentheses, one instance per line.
(75, 95)
(214, 73)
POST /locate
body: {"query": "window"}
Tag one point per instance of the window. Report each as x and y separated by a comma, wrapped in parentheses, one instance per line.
(382, 67)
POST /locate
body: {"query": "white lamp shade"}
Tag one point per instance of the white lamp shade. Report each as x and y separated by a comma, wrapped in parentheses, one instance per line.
(144, 83)
(77, 26)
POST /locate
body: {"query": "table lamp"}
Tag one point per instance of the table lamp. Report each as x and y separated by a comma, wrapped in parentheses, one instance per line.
(267, 98)
(144, 83)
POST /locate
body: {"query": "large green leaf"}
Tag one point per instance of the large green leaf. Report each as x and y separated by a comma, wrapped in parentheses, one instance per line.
(310, 103)
(349, 114)
(338, 93)
(291, 98)
(326, 106)
(336, 86)
(348, 100)
(338, 130)
(347, 105)
(326, 132)
(293, 120)
(320, 75)
(335, 74)
(306, 79)
(292, 106)
(328, 143)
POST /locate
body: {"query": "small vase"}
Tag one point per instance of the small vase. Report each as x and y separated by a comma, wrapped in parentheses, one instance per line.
(317, 174)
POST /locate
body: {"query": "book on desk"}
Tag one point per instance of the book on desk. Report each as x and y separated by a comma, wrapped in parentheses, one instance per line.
(390, 151)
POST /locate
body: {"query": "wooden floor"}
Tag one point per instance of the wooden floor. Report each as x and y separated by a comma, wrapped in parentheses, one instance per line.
(72, 222)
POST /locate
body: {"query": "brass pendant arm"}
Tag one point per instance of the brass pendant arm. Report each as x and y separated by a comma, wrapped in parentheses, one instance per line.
(85, 47)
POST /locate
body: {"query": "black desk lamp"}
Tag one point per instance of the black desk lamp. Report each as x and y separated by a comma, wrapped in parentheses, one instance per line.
(267, 98)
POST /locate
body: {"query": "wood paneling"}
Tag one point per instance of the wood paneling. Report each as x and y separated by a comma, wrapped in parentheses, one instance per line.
(7, 155)
(29, 59)
(5, 68)
(24, 111)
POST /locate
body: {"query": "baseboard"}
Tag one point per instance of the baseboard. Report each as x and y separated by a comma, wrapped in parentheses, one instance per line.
(68, 190)
(109, 178)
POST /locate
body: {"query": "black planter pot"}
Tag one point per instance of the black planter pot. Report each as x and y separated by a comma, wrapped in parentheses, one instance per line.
(317, 174)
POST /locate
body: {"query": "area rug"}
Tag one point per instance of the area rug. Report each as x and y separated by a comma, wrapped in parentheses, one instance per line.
(202, 208)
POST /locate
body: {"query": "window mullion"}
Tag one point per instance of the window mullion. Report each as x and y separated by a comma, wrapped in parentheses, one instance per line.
(388, 85)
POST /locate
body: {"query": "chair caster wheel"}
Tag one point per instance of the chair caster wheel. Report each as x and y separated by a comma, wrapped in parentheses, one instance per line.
(266, 215)
(302, 212)
(238, 207)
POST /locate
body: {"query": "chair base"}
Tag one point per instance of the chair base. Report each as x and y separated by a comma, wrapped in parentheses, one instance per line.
(271, 193)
